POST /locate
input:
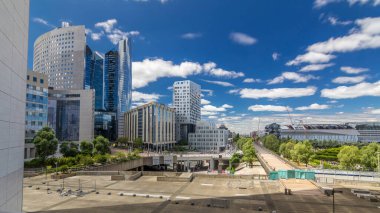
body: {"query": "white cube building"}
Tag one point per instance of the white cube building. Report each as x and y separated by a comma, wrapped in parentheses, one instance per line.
(207, 138)
(14, 26)
(187, 103)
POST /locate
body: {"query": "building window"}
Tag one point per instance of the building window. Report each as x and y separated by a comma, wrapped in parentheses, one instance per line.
(34, 79)
(41, 81)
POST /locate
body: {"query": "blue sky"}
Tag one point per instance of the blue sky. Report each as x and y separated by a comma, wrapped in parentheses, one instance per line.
(255, 60)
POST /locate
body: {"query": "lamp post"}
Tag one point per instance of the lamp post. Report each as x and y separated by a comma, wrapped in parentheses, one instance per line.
(333, 191)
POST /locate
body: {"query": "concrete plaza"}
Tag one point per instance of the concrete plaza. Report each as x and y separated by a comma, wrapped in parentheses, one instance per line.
(203, 194)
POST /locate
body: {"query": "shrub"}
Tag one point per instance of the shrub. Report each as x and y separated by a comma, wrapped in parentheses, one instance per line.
(98, 158)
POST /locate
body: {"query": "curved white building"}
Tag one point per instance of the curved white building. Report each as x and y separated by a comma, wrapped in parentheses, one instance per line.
(60, 55)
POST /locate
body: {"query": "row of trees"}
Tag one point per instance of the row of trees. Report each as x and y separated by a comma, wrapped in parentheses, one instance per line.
(46, 145)
(124, 141)
(350, 157)
(248, 156)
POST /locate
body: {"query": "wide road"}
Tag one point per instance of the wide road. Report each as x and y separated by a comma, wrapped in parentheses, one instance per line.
(274, 162)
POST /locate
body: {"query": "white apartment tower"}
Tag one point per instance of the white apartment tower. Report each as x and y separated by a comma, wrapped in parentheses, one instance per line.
(187, 102)
(60, 55)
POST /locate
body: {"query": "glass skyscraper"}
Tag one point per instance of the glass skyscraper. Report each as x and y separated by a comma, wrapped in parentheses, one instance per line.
(118, 81)
(94, 76)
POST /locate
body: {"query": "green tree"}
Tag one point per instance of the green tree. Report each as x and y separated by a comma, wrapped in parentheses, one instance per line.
(302, 152)
(46, 143)
(286, 148)
(236, 138)
(271, 142)
(138, 143)
(368, 155)
(249, 154)
(122, 141)
(101, 145)
(86, 148)
(69, 149)
(349, 157)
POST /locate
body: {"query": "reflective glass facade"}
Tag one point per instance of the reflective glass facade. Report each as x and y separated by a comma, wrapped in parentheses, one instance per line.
(36, 104)
(118, 81)
(94, 76)
(105, 124)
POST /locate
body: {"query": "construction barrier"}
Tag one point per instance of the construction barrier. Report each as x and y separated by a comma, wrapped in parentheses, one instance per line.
(292, 174)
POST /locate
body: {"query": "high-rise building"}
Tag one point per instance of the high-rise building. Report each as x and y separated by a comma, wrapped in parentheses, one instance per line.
(187, 102)
(208, 138)
(154, 123)
(36, 109)
(71, 114)
(118, 81)
(94, 76)
(60, 54)
(14, 25)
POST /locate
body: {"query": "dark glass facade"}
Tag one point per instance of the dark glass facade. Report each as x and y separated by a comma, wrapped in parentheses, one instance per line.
(94, 76)
(111, 70)
(105, 124)
(66, 119)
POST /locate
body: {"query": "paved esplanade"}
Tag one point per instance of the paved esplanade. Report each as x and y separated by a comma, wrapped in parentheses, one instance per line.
(272, 160)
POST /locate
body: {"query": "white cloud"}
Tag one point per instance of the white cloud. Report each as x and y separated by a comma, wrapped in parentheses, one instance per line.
(139, 98)
(353, 70)
(322, 3)
(355, 91)
(242, 38)
(208, 91)
(210, 110)
(106, 25)
(251, 80)
(275, 56)
(220, 83)
(374, 111)
(314, 106)
(43, 22)
(149, 70)
(116, 35)
(259, 108)
(112, 33)
(210, 68)
(227, 106)
(311, 57)
(291, 76)
(349, 80)
(205, 102)
(96, 36)
(233, 91)
(335, 21)
(366, 37)
(212, 117)
(315, 67)
(191, 36)
(277, 92)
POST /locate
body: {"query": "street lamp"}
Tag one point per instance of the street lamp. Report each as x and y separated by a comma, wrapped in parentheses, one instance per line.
(332, 192)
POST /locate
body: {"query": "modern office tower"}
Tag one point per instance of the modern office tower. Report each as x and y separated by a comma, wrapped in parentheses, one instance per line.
(14, 25)
(368, 131)
(71, 114)
(207, 138)
(94, 77)
(118, 81)
(36, 109)
(187, 102)
(154, 123)
(60, 54)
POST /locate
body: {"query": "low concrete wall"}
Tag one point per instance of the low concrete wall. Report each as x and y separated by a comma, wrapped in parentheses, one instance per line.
(264, 164)
(117, 177)
(97, 173)
(158, 173)
(246, 177)
(132, 164)
(357, 183)
(135, 176)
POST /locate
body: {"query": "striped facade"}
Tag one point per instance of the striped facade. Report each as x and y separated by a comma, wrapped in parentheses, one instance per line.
(154, 123)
